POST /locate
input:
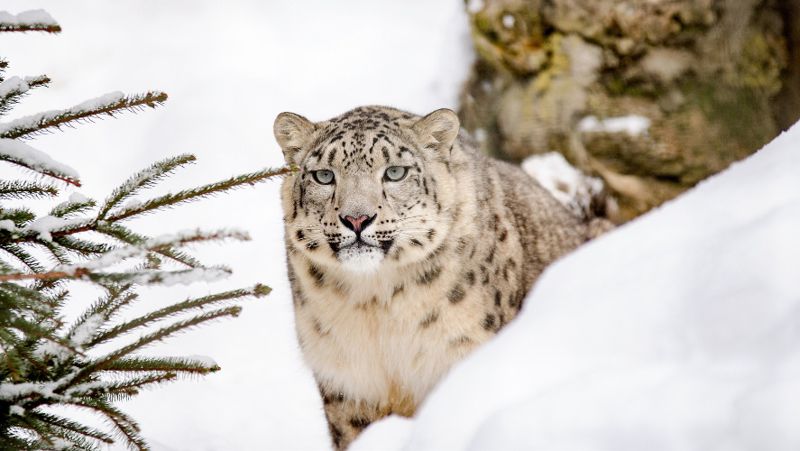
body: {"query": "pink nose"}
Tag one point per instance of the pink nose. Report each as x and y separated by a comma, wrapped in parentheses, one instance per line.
(356, 224)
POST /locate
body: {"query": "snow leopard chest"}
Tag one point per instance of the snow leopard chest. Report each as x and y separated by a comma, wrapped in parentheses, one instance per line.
(389, 352)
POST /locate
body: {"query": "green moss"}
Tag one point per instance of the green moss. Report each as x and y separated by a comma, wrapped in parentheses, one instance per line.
(742, 113)
(760, 64)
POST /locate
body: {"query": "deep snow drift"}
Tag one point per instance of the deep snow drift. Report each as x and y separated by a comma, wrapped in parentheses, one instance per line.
(678, 331)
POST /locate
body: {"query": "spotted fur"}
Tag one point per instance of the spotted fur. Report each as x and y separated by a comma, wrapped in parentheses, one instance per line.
(446, 262)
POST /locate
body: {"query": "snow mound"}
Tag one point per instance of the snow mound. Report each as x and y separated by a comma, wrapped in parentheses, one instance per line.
(677, 331)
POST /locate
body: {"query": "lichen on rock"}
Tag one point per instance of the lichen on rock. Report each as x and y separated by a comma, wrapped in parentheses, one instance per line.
(703, 72)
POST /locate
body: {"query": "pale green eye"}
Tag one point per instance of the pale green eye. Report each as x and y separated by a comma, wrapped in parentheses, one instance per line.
(395, 173)
(323, 176)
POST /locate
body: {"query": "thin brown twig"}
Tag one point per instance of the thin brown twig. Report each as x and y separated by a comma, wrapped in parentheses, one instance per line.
(78, 272)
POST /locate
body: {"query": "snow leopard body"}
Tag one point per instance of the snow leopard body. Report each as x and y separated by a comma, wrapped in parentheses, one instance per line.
(446, 258)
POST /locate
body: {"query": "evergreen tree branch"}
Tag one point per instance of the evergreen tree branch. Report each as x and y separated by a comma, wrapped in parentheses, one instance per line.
(127, 236)
(25, 258)
(22, 28)
(145, 340)
(73, 426)
(122, 422)
(179, 308)
(20, 189)
(170, 200)
(12, 89)
(21, 154)
(118, 296)
(143, 179)
(147, 364)
(105, 105)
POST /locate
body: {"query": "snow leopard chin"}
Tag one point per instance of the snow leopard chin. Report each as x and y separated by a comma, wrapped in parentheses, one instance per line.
(360, 258)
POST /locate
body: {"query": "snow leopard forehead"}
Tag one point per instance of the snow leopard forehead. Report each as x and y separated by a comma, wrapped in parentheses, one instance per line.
(363, 139)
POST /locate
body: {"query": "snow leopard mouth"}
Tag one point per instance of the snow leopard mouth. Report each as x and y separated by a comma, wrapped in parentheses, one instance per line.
(360, 246)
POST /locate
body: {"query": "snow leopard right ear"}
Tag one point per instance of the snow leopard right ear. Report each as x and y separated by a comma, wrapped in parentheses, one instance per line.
(293, 132)
(438, 130)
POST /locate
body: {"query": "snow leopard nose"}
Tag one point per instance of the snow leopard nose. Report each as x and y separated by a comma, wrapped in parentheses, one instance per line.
(357, 224)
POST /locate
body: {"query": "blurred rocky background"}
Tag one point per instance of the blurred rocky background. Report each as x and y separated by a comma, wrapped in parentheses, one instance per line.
(651, 96)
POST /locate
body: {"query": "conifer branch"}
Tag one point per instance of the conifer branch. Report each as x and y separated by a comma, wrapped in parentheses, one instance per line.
(148, 364)
(170, 200)
(102, 363)
(73, 426)
(44, 362)
(48, 172)
(179, 308)
(21, 154)
(21, 28)
(104, 105)
(144, 179)
(19, 189)
(12, 89)
(122, 422)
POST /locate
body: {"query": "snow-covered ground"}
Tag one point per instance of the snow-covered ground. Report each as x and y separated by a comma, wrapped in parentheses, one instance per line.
(677, 331)
(229, 69)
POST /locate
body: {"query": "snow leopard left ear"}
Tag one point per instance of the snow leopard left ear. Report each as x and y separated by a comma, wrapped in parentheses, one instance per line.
(293, 133)
(438, 130)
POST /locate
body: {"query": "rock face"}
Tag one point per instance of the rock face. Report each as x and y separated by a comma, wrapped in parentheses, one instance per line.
(650, 95)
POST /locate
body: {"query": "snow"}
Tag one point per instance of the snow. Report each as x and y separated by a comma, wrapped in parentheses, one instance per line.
(78, 198)
(474, 6)
(203, 360)
(12, 84)
(7, 224)
(677, 331)
(388, 434)
(44, 226)
(568, 185)
(31, 17)
(185, 277)
(97, 102)
(633, 125)
(34, 158)
(86, 330)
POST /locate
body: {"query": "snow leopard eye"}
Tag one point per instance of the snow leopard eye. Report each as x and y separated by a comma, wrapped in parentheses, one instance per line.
(323, 176)
(395, 173)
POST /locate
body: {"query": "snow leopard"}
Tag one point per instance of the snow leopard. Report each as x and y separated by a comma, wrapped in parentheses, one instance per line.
(407, 248)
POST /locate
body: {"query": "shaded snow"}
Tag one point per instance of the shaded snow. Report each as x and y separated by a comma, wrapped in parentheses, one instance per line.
(568, 185)
(633, 125)
(86, 330)
(677, 331)
(13, 84)
(31, 17)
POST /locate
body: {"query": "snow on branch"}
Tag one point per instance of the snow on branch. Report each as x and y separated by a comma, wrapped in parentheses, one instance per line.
(106, 104)
(89, 270)
(33, 20)
(21, 154)
(13, 88)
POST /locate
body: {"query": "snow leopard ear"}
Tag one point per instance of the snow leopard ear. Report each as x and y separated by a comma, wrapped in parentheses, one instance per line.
(438, 130)
(293, 132)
